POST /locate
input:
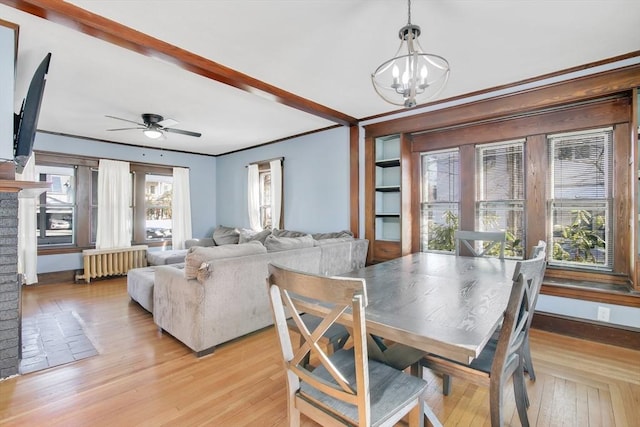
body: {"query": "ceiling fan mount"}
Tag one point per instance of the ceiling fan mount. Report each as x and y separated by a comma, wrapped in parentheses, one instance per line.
(154, 126)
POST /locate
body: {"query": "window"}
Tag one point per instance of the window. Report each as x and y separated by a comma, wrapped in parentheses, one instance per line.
(265, 197)
(580, 196)
(500, 192)
(68, 212)
(157, 197)
(56, 207)
(264, 186)
(440, 200)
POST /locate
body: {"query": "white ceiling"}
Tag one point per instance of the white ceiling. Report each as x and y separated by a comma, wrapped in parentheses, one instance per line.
(323, 51)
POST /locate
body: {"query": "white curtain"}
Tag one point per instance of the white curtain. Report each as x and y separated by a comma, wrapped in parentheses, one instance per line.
(180, 208)
(254, 198)
(276, 192)
(114, 199)
(27, 238)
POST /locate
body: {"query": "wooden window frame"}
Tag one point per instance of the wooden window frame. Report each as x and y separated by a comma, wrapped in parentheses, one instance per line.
(82, 228)
(534, 128)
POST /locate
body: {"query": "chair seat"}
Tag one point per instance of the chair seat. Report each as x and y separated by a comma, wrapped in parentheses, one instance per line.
(389, 388)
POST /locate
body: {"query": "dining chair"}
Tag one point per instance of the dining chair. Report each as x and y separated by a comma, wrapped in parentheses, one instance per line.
(489, 239)
(503, 358)
(346, 388)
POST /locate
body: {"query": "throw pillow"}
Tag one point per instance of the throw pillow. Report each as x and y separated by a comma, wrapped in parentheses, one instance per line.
(276, 244)
(287, 233)
(247, 235)
(334, 235)
(225, 235)
(197, 255)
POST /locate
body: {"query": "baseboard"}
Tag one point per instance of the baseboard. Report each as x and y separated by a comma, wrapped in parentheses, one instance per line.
(605, 333)
(68, 276)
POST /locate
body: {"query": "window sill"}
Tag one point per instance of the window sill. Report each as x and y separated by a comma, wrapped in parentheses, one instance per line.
(77, 249)
(610, 293)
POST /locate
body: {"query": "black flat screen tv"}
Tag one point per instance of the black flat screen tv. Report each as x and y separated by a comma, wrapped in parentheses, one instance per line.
(25, 123)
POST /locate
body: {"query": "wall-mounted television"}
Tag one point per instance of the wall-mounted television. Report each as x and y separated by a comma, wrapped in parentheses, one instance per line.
(25, 123)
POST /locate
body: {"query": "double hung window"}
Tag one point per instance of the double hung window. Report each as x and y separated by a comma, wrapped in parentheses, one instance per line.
(56, 207)
(580, 198)
(440, 199)
(500, 192)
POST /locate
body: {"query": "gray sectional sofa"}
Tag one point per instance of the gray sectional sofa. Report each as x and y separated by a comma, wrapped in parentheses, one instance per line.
(219, 293)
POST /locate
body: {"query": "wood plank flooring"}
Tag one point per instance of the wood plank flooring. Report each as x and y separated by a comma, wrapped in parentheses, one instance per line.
(144, 378)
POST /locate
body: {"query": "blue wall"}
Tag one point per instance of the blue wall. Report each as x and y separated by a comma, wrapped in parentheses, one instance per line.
(7, 70)
(202, 176)
(315, 176)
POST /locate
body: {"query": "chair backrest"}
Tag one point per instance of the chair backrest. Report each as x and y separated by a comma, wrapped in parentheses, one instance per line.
(539, 250)
(527, 280)
(488, 239)
(344, 299)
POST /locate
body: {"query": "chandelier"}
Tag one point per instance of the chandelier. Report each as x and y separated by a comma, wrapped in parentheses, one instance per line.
(411, 76)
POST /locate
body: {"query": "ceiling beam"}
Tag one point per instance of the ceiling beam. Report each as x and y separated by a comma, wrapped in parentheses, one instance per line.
(105, 29)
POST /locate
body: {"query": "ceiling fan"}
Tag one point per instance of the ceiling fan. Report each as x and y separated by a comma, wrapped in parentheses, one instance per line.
(154, 126)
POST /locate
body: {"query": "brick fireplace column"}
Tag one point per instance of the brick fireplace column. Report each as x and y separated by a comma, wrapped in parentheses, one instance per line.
(9, 286)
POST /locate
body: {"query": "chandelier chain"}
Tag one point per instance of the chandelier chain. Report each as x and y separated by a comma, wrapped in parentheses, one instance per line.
(409, 12)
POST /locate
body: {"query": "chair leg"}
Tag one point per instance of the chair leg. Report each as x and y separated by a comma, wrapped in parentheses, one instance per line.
(495, 402)
(416, 417)
(446, 384)
(528, 363)
(522, 398)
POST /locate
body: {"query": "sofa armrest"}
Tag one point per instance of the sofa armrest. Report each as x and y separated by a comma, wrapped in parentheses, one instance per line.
(178, 305)
(204, 241)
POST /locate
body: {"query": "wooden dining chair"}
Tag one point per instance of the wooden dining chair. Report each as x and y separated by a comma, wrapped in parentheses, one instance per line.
(489, 239)
(346, 388)
(503, 358)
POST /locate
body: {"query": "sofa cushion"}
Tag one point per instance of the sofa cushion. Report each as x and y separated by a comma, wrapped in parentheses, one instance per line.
(248, 235)
(287, 233)
(276, 244)
(332, 241)
(225, 235)
(198, 255)
(334, 235)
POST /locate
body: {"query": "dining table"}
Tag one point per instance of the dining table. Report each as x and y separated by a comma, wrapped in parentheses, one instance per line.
(441, 303)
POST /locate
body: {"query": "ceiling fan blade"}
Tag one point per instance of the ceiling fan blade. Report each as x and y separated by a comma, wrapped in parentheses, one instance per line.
(183, 132)
(124, 120)
(168, 122)
(126, 129)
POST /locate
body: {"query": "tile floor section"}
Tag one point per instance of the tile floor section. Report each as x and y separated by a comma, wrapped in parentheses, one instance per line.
(52, 339)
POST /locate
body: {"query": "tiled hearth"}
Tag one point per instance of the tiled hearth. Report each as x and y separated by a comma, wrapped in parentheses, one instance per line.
(52, 339)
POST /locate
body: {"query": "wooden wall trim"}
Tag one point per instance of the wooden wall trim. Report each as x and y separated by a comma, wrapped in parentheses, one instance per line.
(354, 180)
(561, 93)
(595, 331)
(600, 113)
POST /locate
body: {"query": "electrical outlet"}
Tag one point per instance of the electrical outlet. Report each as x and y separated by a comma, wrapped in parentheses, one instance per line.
(603, 314)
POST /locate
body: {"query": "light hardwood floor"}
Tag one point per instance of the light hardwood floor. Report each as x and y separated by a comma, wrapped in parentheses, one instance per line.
(143, 377)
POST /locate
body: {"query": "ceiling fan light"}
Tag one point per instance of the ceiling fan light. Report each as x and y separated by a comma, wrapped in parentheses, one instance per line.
(152, 133)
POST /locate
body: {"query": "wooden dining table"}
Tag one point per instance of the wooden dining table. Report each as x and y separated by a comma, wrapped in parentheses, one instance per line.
(443, 304)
